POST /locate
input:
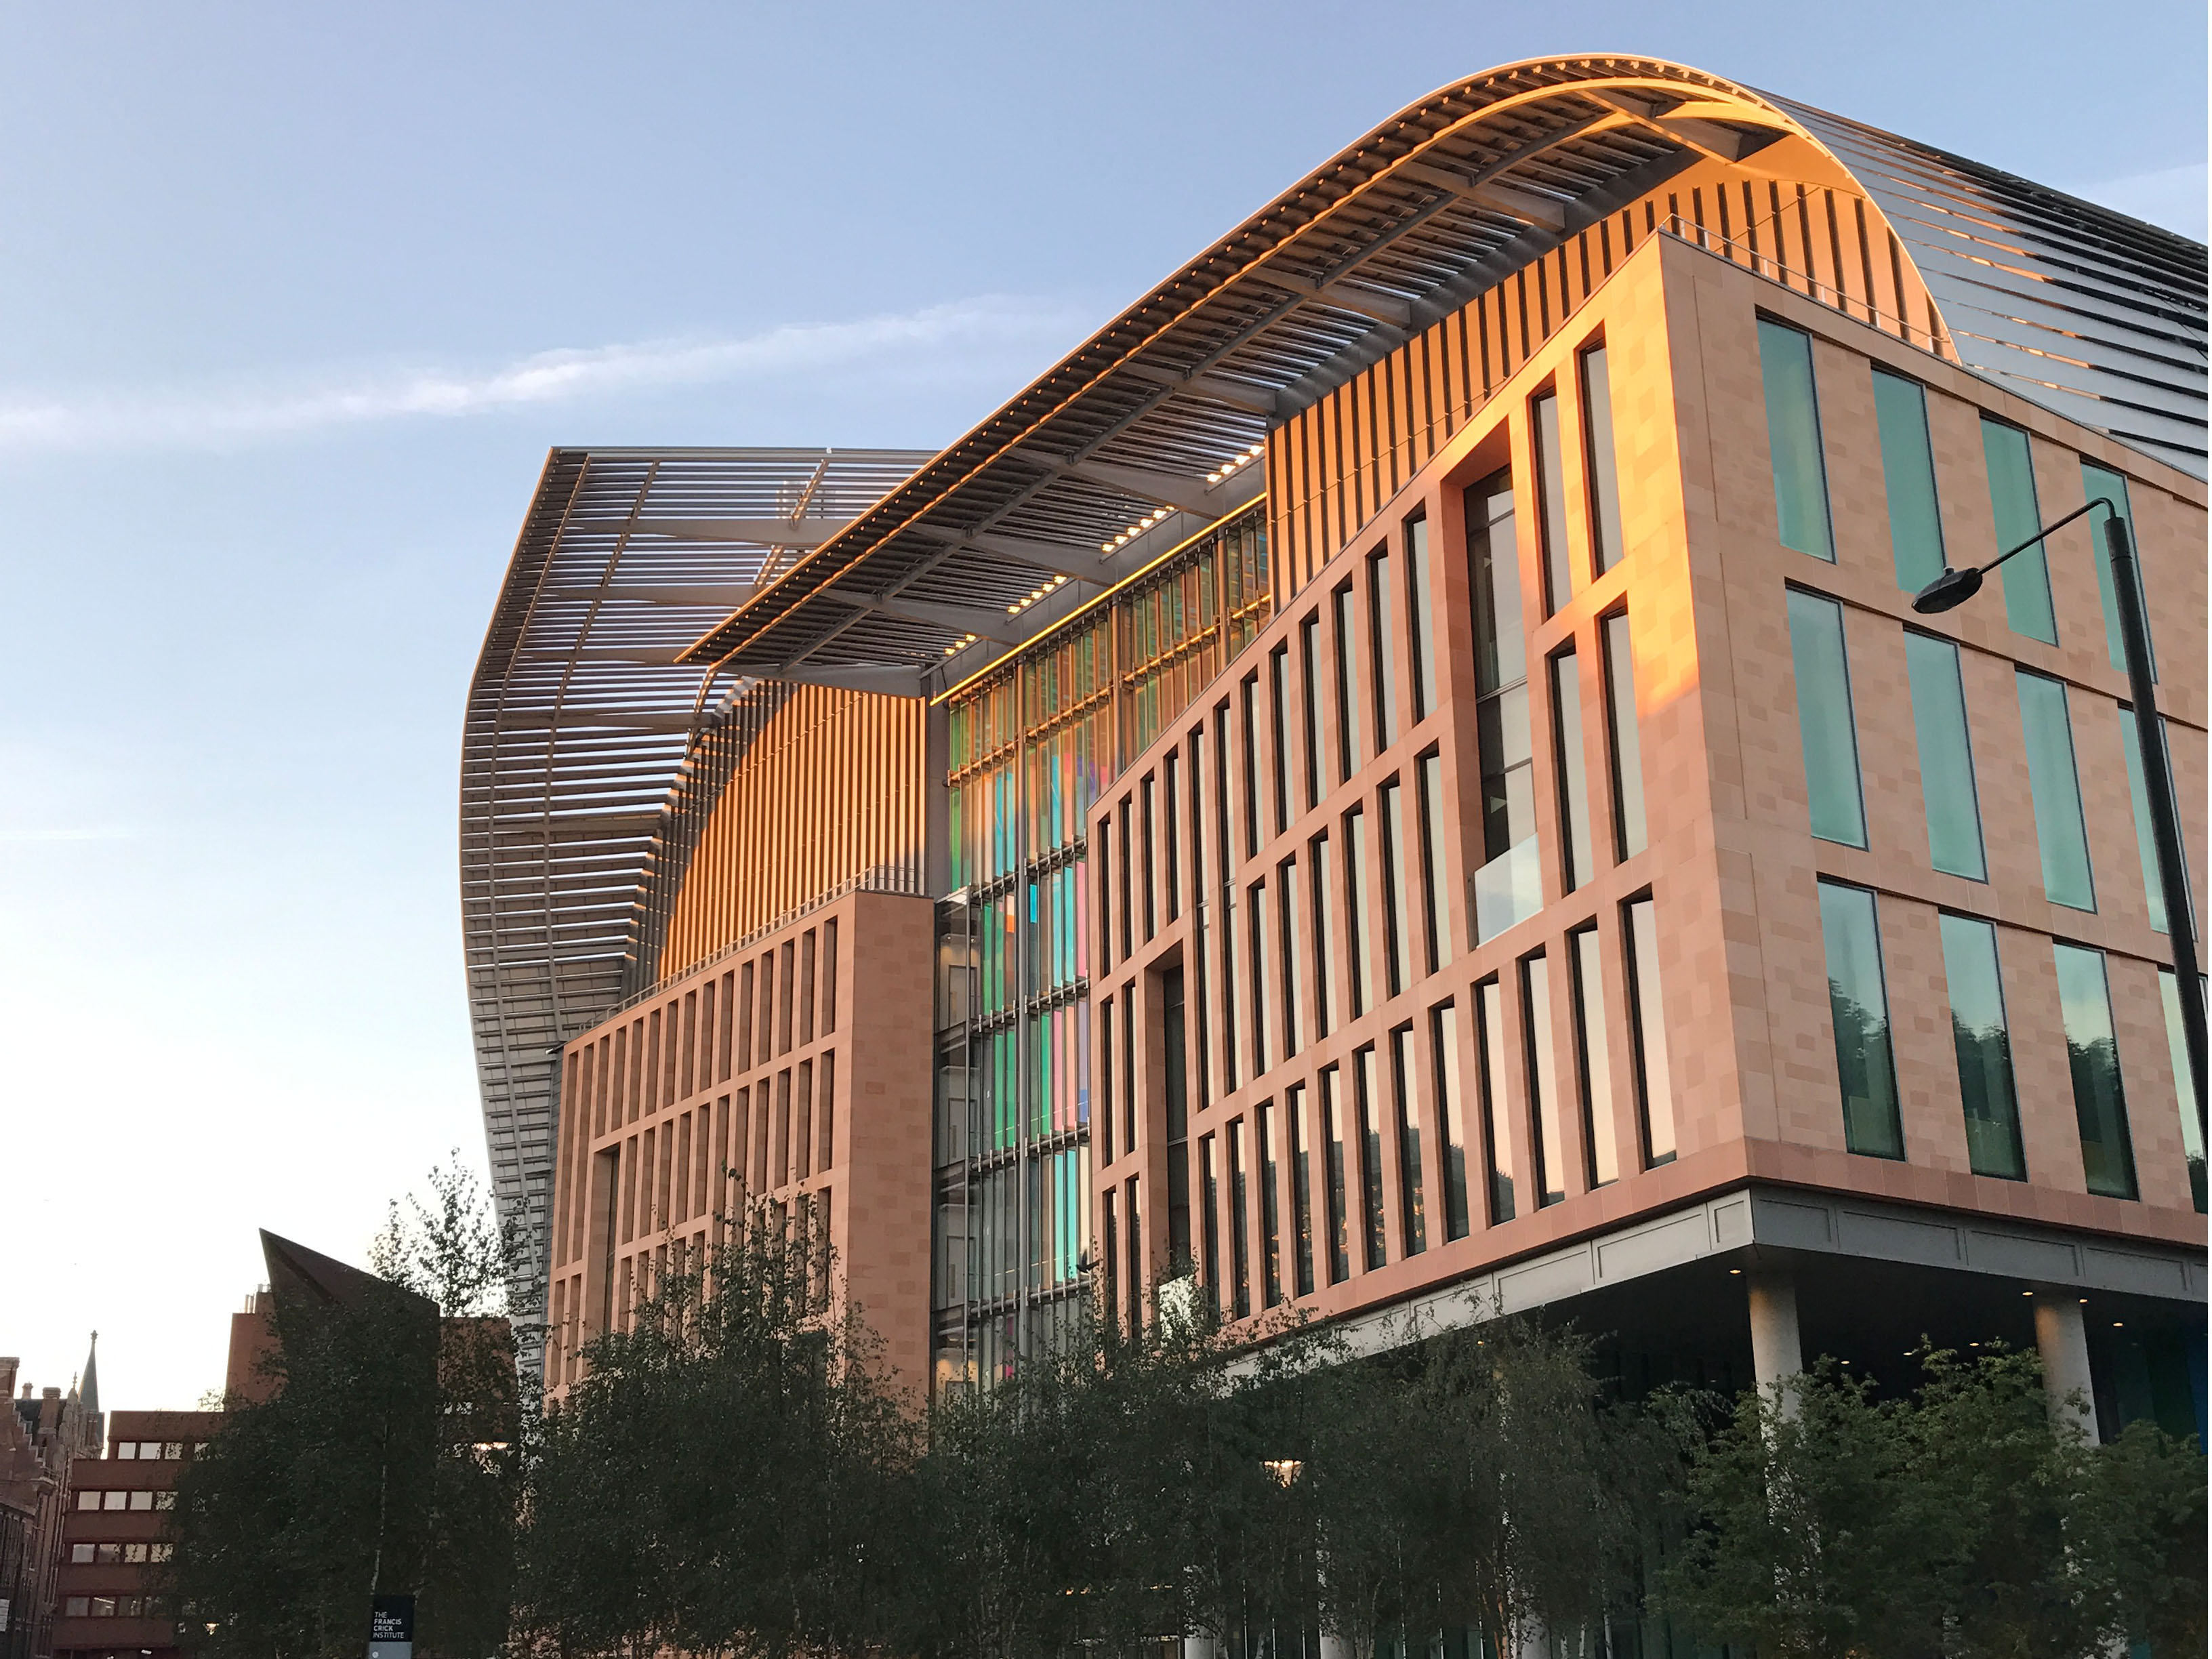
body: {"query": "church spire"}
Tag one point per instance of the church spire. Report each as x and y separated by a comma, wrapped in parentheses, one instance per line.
(88, 1389)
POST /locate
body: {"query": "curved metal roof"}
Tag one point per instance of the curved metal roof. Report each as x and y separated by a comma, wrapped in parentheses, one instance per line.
(579, 719)
(1404, 227)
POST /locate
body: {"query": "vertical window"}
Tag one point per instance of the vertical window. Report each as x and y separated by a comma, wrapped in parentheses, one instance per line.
(1309, 690)
(1435, 913)
(1594, 1053)
(1398, 931)
(1209, 1222)
(1170, 839)
(1324, 922)
(1271, 1248)
(2100, 1109)
(1176, 1116)
(1624, 743)
(1508, 881)
(1577, 864)
(1302, 1264)
(1101, 867)
(1256, 941)
(1443, 1043)
(2103, 484)
(2057, 789)
(2146, 838)
(2184, 1087)
(1381, 623)
(1497, 1125)
(1908, 477)
(1128, 939)
(1647, 1025)
(1824, 719)
(1550, 500)
(1412, 1219)
(1110, 1242)
(1543, 1080)
(1946, 757)
(2012, 503)
(1136, 1256)
(1148, 815)
(1859, 1008)
(1370, 1089)
(1357, 934)
(1249, 693)
(1279, 732)
(1129, 1069)
(1347, 706)
(1983, 1042)
(1332, 1138)
(1240, 1262)
(1224, 928)
(1228, 934)
(1793, 441)
(1607, 542)
(1286, 901)
(1421, 617)
(1106, 1081)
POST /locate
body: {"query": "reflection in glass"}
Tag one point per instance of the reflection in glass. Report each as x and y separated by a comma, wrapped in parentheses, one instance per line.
(2102, 483)
(1279, 732)
(1347, 706)
(1648, 1024)
(2100, 1109)
(1793, 441)
(1599, 1132)
(1859, 1008)
(1301, 1258)
(1824, 719)
(1287, 895)
(1543, 1081)
(1412, 1220)
(1607, 542)
(1310, 687)
(1435, 913)
(1357, 934)
(1380, 620)
(1332, 1137)
(2185, 1090)
(1946, 757)
(1421, 620)
(1625, 743)
(2146, 838)
(1496, 1124)
(1908, 475)
(1443, 1041)
(2012, 501)
(1579, 865)
(1983, 1042)
(1508, 883)
(1240, 1267)
(1324, 913)
(1371, 1154)
(1551, 501)
(2057, 789)
(1271, 1254)
(1396, 921)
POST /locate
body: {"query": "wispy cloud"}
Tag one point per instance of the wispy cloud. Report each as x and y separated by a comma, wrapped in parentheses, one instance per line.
(993, 328)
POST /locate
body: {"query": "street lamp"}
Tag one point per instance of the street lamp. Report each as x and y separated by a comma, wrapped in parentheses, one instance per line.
(1956, 587)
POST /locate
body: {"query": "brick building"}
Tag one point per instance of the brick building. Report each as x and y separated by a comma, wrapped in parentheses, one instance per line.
(115, 1533)
(44, 1439)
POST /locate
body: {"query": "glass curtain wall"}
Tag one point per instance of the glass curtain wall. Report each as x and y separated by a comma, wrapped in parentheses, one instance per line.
(1029, 745)
(1509, 886)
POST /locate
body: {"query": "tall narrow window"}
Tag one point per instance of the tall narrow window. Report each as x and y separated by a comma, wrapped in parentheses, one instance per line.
(1170, 841)
(1594, 1052)
(1357, 936)
(1793, 441)
(1412, 1218)
(1109, 1252)
(1397, 928)
(1128, 939)
(1654, 1091)
(1436, 913)
(1332, 1137)
(1859, 1008)
(1286, 899)
(2146, 837)
(1129, 1068)
(1347, 706)
(1248, 694)
(2184, 1086)
(1310, 692)
(1551, 501)
(1324, 924)
(2100, 1109)
(1136, 1247)
(1508, 882)
(1302, 1250)
(1370, 1090)
(1824, 719)
(1579, 863)
(1983, 1042)
(1497, 1120)
(1209, 1222)
(1278, 732)
(1444, 1045)
(1271, 1238)
(2100, 484)
(1607, 542)
(1176, 1120)
(2012, 501)
(1908, 477)
(1256, 939)
(2057, 789)
(1543, 1080)
(1240, 1262)
(1224, 913)
(1421, 621)
(1382, 622)
(1148, 816)
(1227, 934)
(1624, 742)
(1946, 757)
(1106, 1081)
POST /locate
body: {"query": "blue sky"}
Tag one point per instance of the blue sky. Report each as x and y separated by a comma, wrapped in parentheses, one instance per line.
(293, 300)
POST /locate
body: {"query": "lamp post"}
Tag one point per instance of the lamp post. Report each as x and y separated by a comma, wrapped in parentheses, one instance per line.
(1956, 587)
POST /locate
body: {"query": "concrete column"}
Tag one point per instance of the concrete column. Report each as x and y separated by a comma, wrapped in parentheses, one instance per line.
(1777, 1355)
(2063, 1342)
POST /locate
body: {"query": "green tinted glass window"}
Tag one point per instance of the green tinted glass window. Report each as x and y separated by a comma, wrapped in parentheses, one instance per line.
(2058, 790)
(1793, 441)
(1984, 1047)
(1860, 1009)
(2093, 1053)
(2184, 1089)
(1908, 473)
(1824, 719)
(2012, 501)
(1946, 758)
(2102, 483)
(2146, 841)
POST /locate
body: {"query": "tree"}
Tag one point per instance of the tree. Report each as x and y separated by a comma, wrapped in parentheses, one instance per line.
(385, 1459)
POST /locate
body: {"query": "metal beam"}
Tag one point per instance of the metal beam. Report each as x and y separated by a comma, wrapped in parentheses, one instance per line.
(1080, 564)
(768, 532)
(1253, 399)
(1139, 483)
(1524, 205)
(1381, 306)
(952, 618)
(896, 680)
(1707, 137)
(728, 595)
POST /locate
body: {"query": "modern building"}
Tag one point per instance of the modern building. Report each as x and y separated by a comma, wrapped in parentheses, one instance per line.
(1402, 777)
(116, 1536)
